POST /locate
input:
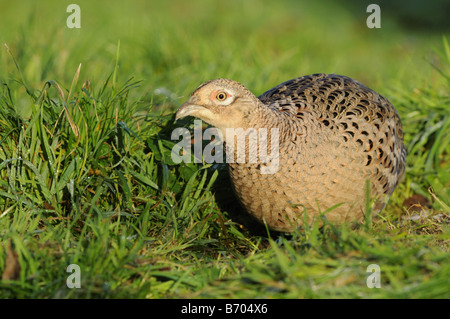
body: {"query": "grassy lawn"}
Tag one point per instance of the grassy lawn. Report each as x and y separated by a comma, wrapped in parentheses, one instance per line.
(86, 175)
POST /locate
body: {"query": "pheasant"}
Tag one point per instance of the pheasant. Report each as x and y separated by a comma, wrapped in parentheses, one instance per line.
(334, 137)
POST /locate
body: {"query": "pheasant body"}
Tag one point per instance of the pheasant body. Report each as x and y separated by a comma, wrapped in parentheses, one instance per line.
(334, 134)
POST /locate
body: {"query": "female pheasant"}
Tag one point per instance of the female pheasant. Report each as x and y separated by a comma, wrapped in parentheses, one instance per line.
(333, 135)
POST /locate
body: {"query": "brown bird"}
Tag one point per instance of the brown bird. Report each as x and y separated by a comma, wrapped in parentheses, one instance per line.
(334, 135)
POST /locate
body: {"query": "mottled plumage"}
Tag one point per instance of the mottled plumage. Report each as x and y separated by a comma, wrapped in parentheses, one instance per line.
(334, 135)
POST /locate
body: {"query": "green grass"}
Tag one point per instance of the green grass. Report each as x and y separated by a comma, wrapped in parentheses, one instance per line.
(86, 175)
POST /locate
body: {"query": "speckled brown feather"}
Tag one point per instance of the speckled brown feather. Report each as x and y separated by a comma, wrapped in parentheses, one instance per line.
(335, 134)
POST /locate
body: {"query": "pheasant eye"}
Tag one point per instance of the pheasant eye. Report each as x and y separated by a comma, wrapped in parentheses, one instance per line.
(221, 96)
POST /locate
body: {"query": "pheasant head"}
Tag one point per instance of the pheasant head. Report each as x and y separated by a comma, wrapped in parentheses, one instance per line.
(222, 103)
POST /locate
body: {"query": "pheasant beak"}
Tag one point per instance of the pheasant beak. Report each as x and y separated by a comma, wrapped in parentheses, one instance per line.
(192, 107)
(188, 108)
